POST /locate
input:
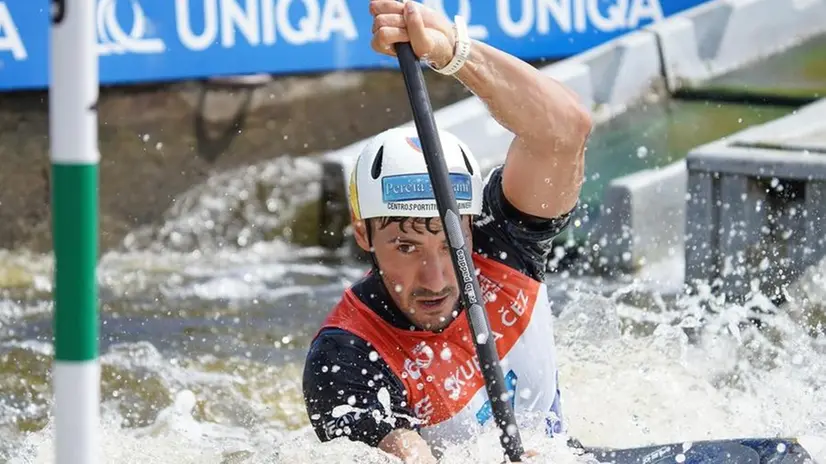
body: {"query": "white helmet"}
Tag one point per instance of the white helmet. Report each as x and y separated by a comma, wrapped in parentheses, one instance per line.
(390, 177)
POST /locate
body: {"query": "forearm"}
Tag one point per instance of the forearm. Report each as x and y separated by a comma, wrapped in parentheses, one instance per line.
(532, 105)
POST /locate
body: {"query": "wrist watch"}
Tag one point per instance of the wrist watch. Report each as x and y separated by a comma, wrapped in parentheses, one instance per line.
(461, 51)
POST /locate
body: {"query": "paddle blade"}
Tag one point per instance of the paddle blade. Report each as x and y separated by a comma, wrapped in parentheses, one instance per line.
(808, 450)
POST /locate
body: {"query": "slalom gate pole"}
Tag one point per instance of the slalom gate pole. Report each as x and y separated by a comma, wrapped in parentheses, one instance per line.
(470, 291)
(73, 138)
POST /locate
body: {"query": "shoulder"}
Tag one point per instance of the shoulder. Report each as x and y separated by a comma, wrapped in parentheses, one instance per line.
(338, 347)
(342, 370)
(517, 239)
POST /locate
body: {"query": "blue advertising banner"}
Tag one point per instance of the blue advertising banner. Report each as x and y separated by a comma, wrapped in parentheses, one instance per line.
(157, 40)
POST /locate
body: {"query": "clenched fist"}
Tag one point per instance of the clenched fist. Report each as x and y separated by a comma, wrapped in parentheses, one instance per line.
(430, 33)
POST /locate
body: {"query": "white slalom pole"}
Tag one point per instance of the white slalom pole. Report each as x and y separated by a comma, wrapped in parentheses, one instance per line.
(73, 96)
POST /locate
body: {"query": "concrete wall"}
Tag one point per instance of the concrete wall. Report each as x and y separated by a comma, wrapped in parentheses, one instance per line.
(721, 36)
(756, 216)
(643, 218)
(644, 213)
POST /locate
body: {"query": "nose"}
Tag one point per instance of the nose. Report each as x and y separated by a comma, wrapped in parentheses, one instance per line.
(434, 271)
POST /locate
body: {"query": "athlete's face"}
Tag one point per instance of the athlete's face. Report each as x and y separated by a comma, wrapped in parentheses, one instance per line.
(416, 267)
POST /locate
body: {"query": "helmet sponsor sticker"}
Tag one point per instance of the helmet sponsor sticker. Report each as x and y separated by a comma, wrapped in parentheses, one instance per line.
(412, 187)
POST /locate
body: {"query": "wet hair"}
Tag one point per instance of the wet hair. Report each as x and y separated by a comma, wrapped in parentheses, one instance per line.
(418, 224)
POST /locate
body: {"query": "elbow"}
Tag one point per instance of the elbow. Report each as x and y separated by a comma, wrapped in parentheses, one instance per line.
(581, 122)
(568, 113)
(560, 120)
(577, 128)
(571, 129)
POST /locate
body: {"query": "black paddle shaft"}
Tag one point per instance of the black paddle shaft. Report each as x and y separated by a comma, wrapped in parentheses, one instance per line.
(469, 289)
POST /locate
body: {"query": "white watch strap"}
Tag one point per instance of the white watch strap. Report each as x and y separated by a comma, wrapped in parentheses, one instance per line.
(461, 53)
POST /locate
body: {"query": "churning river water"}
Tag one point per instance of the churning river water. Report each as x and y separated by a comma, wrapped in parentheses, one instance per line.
(205, 321)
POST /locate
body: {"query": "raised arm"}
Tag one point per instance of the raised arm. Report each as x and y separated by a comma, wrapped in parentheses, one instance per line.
(545, 163)
(544, 168)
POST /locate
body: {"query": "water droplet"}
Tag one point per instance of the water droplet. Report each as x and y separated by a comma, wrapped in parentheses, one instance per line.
(336, 368)
(145, 137)
(398, 288)
(680, 458)
(445, 354)
(525, 393)
(642, 152)
(511, 429)
(374, 356)
(351, 400)
(781, 447)
(315, 417)
(324, 369)
(481, 338)
(503, 255)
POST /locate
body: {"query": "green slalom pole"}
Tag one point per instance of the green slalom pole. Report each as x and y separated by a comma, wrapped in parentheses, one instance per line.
(73, 95)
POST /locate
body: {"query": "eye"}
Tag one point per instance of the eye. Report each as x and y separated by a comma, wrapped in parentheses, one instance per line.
(406, 248)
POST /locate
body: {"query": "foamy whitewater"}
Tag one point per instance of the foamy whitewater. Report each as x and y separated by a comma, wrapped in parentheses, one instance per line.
(203, 346)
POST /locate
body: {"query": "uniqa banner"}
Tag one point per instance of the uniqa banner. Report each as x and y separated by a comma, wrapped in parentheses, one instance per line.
(157, 40)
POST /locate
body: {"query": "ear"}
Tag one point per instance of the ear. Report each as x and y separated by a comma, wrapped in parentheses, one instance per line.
(360, 234)
(467, 223)
(468, 230)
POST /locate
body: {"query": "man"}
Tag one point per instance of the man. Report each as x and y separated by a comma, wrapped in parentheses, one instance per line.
(393, 365)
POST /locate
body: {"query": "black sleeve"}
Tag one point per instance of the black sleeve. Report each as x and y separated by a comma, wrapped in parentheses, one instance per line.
(512, 237)
(342, 384)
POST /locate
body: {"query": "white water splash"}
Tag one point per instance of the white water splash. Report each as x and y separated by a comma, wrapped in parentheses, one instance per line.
(236, 208)
(699, 365)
